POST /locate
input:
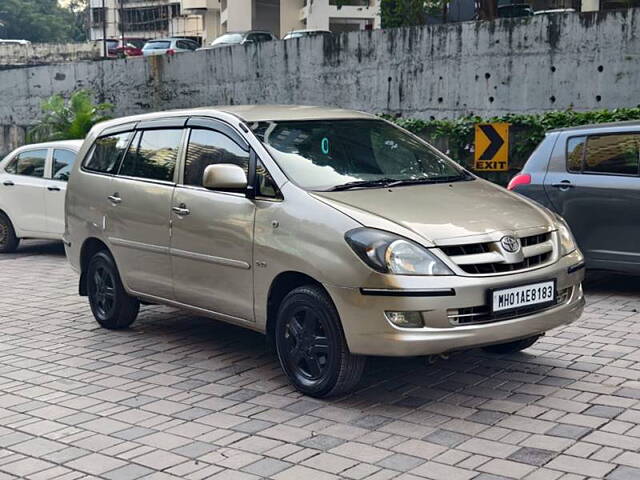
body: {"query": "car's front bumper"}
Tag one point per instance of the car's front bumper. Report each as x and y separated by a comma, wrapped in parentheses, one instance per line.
(368, 332)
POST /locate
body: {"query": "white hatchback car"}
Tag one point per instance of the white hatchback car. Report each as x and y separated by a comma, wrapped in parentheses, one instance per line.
(33, 184)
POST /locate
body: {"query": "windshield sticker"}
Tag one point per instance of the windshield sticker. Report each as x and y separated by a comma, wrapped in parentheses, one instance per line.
(325, 146)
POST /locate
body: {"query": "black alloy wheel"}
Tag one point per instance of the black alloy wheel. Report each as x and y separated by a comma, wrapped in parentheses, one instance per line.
(112, 307)
(311, 346)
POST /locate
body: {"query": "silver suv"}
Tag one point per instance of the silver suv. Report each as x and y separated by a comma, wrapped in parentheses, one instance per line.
(336, 233)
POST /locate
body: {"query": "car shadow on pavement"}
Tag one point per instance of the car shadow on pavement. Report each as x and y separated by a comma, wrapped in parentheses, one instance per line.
(36, 247)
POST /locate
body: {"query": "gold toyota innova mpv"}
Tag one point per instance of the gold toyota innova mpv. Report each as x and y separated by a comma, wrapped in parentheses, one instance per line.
(336, 233)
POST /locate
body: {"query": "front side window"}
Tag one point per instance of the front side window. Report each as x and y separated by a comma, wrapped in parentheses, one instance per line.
(107, 152)
(575, 153)
(208, 147)
(613, 154)
(329, 154)
(153, 155)
(29, 164)
(62, 163)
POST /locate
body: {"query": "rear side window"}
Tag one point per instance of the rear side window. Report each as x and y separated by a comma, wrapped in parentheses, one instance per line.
(106, 153)
(62, 163)
(30, 164)
(613, 154)
(153, 155)
(208, 147)
(575, 153)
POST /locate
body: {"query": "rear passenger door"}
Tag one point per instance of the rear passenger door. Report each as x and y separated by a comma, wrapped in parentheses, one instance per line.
(140, 200)
(212, 233)
(597, 190)
(23, 189)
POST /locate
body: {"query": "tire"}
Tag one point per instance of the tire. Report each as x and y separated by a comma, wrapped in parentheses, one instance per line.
(8, 240)
(112, 307)
(311, 346)
(512, 347)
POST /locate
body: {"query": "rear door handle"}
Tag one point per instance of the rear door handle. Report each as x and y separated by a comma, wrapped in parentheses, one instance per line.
(182, 210)
(115, 199)
(8, 183)
(564, 185)
(53, 189)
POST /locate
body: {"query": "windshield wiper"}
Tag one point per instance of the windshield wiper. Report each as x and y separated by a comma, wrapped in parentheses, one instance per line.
(379, 182)
(417, 181)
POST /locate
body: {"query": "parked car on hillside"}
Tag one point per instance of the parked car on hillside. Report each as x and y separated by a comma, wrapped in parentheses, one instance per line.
(335, 232)
(306, 33)
(33, 182)
(5, 41)
(169, 46)
(131, 47)
(590, 175)
(241, 38)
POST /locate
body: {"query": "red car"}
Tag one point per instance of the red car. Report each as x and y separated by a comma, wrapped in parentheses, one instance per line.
(131, 47)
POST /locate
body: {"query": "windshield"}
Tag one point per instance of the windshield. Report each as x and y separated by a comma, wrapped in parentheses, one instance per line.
(162, 45)
(327, 154)
(228, 38)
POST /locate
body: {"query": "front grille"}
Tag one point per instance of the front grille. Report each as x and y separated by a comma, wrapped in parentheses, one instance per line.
(481, 314)
(488, 258)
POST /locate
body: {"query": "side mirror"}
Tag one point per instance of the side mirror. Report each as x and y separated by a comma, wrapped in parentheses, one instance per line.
(248, 41)
(224, 176)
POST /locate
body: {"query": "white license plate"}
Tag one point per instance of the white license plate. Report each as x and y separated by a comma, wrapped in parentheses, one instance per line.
(524, 296)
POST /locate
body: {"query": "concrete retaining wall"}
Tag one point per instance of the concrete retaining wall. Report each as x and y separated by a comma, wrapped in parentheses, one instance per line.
(45, 53)
(532, 64)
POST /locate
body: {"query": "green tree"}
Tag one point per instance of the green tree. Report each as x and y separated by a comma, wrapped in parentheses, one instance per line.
(68, 119)
(407, 13)
(40, 21)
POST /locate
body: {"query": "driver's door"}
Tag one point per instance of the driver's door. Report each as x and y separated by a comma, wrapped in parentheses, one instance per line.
(212, 231)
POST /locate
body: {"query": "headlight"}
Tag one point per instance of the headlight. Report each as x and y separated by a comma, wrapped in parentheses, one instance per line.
(389, 253)
(567, 242)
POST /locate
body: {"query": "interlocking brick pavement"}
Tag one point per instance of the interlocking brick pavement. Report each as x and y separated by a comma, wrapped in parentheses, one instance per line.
(179, 396)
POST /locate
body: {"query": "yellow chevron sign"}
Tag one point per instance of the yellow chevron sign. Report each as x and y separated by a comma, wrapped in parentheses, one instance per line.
(492, 147)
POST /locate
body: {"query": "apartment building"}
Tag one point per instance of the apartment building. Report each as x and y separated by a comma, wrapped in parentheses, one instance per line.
(143, 19)
(208, 19)
(282, 16)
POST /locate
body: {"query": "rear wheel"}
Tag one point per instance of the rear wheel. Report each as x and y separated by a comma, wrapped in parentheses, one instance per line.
(8, 240)
(512, 347)
(311, 346)
(112, 307)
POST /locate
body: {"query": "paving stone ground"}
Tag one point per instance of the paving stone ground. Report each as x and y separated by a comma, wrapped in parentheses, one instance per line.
(179, 396)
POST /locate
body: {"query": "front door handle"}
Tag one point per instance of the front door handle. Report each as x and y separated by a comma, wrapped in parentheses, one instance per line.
(8, 183)
(53, 189)
(564, 185)
(181, 210)
(115, 199)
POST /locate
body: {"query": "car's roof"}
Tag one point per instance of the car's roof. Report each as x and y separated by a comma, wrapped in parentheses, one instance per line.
(598, 126)
(73, 144)
(252, 113)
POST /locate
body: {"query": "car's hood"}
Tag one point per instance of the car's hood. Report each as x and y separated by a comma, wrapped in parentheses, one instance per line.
(440, 212)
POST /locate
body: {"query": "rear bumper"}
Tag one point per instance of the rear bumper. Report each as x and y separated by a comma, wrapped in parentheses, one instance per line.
(368, 332)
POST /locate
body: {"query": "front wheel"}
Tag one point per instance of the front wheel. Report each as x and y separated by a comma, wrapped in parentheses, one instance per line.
(8, 240)
(512, 347)
(311, 346)
(112, 307)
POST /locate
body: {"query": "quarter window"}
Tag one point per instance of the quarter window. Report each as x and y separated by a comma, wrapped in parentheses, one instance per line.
(30, 164)
(613, 154)
(62, 163)
(208, 147)
(575, 153)
(107, 152)
(153, 155)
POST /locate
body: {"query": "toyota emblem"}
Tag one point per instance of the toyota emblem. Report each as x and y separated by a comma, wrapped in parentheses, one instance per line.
(510, 244)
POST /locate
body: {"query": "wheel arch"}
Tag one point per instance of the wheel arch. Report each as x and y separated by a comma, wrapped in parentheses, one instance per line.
(90, 247)
(281, 285)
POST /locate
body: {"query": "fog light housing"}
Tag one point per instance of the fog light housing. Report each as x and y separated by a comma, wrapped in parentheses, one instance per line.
(405, 319)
